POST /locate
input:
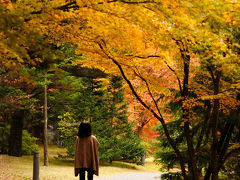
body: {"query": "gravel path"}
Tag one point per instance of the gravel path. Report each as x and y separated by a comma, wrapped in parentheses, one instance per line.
(133, 176)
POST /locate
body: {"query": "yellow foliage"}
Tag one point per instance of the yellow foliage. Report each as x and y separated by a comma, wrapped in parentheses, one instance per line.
(148, 40)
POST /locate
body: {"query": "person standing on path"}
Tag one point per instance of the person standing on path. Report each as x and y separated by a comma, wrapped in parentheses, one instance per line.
(86, 152)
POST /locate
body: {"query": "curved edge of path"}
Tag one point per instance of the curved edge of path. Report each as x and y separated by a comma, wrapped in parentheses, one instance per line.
(134, 176)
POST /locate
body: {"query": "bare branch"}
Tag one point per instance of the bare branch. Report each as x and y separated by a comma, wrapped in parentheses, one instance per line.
(101, 45)
(211, 73)
(74, 5)
(150, 93)
(157, 56)
(178, 79)
(145, 57)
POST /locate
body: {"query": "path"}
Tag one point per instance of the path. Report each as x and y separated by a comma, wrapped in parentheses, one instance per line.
(133, 176)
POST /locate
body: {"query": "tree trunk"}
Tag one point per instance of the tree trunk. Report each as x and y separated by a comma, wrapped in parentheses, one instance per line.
(176, 150)
(188, 134)
(15, 139)
(139, 130)
(208, 173)
(204, 126)
(225, 139)
(191, 153)
(224, 144)
(215, 118)
(213, 165)
(45, 138)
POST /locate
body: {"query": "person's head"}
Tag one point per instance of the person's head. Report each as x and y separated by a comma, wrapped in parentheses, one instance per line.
(84, 129)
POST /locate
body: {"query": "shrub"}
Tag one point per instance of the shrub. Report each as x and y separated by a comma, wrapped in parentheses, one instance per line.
(171, 176)
(4, 134)
(29, 145)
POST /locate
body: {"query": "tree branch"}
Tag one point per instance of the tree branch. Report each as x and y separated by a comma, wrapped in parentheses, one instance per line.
(125, 78)
(156, 56)
(229, 153)
(129, 2)
(102, 46)
(178, 79)
(150, 93)
(207, 118)
(145, 57)
(74, 5)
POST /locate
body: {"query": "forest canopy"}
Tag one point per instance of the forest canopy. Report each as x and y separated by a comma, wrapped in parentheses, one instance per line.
(179, 61)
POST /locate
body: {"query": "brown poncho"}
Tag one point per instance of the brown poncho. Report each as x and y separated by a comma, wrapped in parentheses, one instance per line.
(86, 154)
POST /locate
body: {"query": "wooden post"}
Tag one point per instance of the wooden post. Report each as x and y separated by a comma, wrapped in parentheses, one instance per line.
(36, 162)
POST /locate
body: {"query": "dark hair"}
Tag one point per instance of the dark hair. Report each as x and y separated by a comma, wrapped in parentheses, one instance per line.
(84, 129)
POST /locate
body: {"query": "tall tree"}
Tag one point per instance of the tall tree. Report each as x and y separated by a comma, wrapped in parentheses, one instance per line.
(175, 31)
(45, 129)
(135, 36)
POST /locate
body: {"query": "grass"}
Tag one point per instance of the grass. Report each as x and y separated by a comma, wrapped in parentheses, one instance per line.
(21, 168)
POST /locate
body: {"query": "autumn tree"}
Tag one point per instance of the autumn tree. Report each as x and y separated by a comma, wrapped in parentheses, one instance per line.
(179, 37)
(25, 52)
(14, 77)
